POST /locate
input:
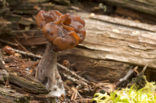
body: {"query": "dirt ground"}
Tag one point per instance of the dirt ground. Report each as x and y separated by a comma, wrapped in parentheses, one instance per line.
(102, 75)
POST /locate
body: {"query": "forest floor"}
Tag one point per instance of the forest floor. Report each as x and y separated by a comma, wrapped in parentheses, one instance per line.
(21, 60)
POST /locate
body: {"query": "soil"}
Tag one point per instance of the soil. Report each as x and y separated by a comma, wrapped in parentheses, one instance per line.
(101, 74)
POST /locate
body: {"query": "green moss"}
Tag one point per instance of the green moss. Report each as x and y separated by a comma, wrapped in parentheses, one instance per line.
(129, 95)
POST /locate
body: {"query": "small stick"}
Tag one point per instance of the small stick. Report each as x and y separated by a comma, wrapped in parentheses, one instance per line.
(144, 69)
(126, 77)
(8, 42)
(19, 44)
(73, 73)
(129, 73)
(25, 53)
(74, 80)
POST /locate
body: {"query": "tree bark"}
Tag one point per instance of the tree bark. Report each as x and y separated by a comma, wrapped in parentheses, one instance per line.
(117, 39)
(10, 96)
(144, 6)
(16, 19)
(28, 85)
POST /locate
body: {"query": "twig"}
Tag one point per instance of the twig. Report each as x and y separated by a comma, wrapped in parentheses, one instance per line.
(144, 69)
(74, 80)
(61, 66)
(25, 53)
(85, 100)
(73, 73)
(123, 81)
(129, 73)
(8, 42)
(28, 53)
(19, 44)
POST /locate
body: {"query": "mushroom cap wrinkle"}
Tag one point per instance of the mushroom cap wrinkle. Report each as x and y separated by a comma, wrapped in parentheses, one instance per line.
(64, 31)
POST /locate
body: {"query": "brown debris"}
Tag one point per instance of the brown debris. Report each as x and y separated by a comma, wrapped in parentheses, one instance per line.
(83, 75)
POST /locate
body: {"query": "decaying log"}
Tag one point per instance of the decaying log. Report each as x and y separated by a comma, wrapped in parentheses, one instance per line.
(120, 40)
(8, 95)
(112, 38)
(15, 18)
(132, 14)
(124, 22)
(27, 85)
(145, 6)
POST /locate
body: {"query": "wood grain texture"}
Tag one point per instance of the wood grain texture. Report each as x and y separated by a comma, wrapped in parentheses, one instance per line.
(145, 6)
(8, 95)
(126, 41)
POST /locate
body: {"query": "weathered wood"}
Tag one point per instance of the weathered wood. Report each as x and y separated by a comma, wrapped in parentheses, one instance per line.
(109, 40)
(21, 15)
(125, 22)
(112, 38)
(15, 18)
(8, 95)
(31, 87)
(145, 6)
(132, 14)
(27, 85)
(96, 70)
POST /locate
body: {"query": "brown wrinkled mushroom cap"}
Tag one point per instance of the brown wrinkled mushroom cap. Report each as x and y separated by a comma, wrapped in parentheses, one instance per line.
(62, 30)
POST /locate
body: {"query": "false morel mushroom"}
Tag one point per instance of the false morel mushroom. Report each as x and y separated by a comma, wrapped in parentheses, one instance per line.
(62, 31)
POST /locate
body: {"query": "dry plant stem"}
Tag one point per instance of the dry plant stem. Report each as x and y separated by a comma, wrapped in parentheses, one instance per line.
(127, 76)
(8, 42)
(20, 45)
(144, 69)
(74, 80)
(27, 53)
(48, 74)
(73, 73)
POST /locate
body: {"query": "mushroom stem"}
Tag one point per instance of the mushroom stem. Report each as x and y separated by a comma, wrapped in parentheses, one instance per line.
(48, 74)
